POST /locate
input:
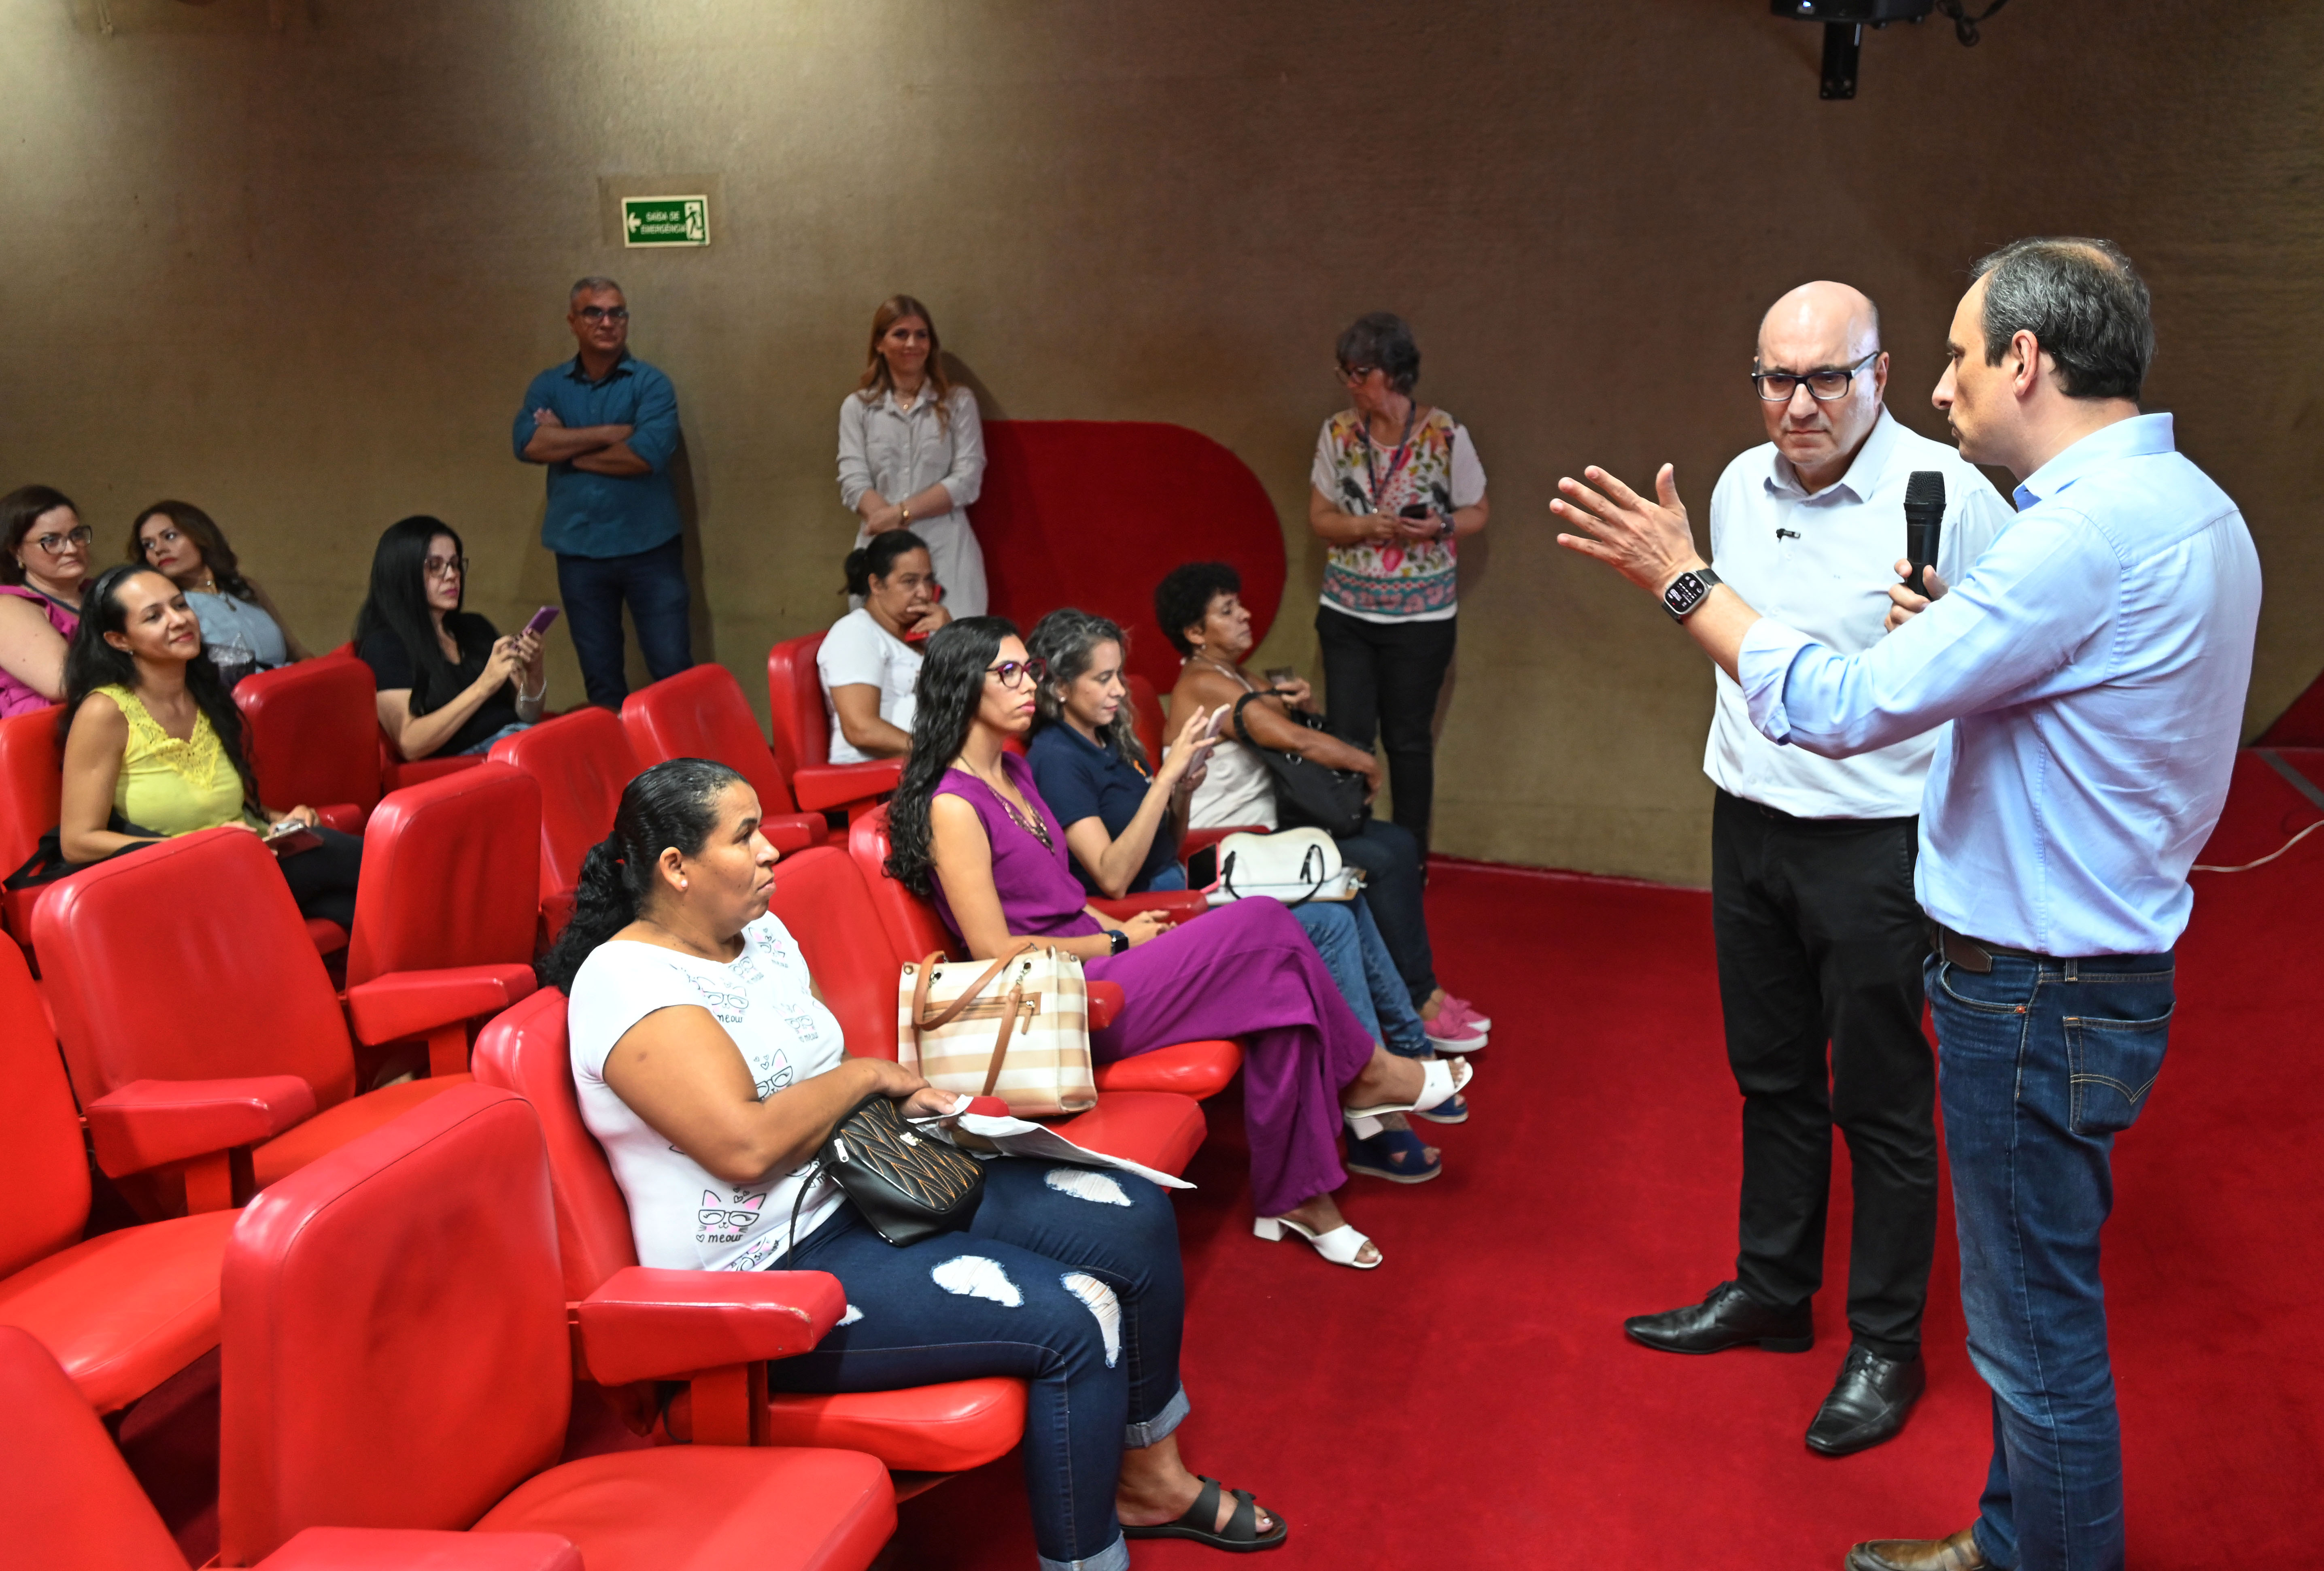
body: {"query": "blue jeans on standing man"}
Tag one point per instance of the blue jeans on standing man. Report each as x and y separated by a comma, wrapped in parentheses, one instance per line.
(653, 582)
(2040, 1063)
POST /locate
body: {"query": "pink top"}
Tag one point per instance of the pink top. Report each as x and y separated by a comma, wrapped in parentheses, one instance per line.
(15, 698)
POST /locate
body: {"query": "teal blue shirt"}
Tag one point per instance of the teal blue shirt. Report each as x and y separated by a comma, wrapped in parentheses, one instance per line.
(608, 515)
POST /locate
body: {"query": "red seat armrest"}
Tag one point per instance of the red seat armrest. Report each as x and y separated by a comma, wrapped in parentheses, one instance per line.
(1106, 1000)
(819, 786)
(421, 1549)
(410, 1003)
(1202, 839)
(790, 833)
(1183, 904)
(344, 817)
(643, 1324)
(147, 1123)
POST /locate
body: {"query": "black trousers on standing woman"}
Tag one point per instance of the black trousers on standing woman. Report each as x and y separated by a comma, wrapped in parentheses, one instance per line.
(1380, 680)
(1821, 942)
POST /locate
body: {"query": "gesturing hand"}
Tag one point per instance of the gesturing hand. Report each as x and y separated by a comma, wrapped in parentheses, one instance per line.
(1648, 542)
(1185, 754)
(1904, 604)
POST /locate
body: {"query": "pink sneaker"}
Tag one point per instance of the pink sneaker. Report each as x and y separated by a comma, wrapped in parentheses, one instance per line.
(1454, 1030)
(1468, 1012)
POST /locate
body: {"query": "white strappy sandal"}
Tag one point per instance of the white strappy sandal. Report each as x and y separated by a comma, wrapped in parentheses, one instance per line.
(1340, 1245)
(1440, 1080)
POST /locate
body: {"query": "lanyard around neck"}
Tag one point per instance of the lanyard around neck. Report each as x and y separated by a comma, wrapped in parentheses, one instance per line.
(1404, 450)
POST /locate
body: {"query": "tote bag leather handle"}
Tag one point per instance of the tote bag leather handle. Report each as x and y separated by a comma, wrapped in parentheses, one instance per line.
(920, 1021)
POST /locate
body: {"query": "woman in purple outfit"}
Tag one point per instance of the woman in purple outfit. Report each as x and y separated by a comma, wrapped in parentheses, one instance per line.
(970, 830)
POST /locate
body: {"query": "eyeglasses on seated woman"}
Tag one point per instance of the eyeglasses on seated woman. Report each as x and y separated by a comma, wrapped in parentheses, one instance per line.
(970, 830)
(43, 562)
(243, 630)
(153, 744)
(711, 1074)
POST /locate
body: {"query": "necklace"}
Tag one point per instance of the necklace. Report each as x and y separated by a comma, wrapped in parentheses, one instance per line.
(1404, 450)
(1032, 826)
(1221, 666)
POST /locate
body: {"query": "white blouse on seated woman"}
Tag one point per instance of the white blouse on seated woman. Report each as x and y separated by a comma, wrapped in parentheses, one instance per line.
(683, 1218)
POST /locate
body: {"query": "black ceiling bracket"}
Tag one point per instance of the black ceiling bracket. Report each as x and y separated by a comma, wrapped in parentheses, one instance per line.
(1843, 44)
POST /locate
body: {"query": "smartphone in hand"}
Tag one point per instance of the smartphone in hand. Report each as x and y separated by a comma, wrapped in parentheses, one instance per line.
(290, 837)
(541, 620)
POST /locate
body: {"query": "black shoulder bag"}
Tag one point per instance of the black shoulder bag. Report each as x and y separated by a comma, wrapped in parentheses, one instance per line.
(1307, 794)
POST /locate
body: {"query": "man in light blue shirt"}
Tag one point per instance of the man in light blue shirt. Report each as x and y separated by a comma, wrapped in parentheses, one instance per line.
(2093, 663)
(605, 424)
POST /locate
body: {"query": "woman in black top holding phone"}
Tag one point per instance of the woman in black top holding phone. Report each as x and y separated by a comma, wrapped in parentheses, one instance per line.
(449, 682)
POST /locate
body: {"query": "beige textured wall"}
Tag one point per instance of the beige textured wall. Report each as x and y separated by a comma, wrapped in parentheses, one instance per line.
(295, 260)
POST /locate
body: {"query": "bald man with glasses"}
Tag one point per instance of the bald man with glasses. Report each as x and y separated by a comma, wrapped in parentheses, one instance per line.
(1819, 940)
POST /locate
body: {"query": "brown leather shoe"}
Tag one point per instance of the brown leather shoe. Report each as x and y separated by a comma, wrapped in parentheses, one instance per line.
(1958, 1553)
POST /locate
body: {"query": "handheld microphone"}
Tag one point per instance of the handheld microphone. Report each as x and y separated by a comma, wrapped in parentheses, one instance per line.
(1924, 525)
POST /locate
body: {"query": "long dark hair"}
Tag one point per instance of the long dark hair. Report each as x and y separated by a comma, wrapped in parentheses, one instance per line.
(1066, 641)
(950, 687)
(672, 804)
(398, 600)
(209, 540)
(877, 559)
(19, 511)
(91, 663)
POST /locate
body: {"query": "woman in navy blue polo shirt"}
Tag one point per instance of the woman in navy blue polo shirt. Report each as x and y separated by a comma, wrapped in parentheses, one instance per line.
(1123, 824)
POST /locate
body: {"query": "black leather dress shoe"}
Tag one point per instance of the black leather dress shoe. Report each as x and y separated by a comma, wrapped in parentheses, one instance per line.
(1868, 1404)
(1729, 1317)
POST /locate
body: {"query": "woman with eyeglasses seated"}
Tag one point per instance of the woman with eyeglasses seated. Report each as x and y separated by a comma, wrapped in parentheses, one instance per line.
(43, 562)
(449, 682)
(1124, 825)
(870, 660)
(712, 1074)
(969, 829)
(153, 744)
(1200, 607)
(911, 450)
(237, 615)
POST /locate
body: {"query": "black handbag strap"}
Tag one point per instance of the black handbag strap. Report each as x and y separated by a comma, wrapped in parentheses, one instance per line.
(1314, 858)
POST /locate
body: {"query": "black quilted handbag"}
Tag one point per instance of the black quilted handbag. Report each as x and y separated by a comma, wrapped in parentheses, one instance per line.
(909, 1186)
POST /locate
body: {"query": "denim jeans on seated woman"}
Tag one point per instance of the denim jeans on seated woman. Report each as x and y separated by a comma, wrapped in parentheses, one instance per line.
(1068, 1278)
(485, 746)
(2040, 1063)
(1349, 939)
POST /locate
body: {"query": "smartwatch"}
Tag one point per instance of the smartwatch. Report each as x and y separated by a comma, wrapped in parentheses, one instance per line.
(1687, 591)
(1118, 940)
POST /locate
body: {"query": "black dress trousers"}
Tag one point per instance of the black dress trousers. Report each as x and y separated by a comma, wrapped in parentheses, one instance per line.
(1819, 944)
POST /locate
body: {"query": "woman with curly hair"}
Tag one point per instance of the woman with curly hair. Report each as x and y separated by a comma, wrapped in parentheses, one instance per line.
(970, 830)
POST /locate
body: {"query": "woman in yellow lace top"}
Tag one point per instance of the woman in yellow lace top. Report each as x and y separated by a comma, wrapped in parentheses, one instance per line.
(154, 747)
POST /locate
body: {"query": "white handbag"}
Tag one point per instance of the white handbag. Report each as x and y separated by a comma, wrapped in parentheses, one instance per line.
(1017, 1028)
(1292, 865)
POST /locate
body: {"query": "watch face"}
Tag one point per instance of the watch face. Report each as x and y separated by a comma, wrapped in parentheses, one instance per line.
(1685, 593)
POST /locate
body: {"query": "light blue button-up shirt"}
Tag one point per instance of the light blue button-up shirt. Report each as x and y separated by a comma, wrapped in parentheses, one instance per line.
(2093, 663)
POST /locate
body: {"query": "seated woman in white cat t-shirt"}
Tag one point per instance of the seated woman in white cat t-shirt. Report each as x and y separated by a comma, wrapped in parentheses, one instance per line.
(711, 1074)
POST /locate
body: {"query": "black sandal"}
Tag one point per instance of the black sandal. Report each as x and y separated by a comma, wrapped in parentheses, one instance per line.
(1240, 1535)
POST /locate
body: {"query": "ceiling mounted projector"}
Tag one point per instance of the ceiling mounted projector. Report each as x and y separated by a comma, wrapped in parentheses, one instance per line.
(1844, 22)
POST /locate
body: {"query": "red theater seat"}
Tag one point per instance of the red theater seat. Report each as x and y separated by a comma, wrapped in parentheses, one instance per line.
(446, 910)
(701, 713)
(1197, 1070)
(309, 731)
(69, 1499)
(583, 760)
(123, 1311)
(186, 965)
(397, 1356)
(31, 779)
(802, 728)
(1046, 547)
(940, 1428)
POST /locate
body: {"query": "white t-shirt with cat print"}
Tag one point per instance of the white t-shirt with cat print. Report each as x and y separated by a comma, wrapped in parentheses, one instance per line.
(683, 1218)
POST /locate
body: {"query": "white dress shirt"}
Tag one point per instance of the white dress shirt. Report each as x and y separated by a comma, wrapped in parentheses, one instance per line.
(1822, 564)
(2093, 664)
(899, 450)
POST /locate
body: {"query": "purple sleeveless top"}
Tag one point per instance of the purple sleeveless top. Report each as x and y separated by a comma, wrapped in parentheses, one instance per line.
(1039, 892)
(15, 698)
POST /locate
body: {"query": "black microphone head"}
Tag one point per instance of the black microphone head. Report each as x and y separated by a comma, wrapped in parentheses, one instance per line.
(1925, 488)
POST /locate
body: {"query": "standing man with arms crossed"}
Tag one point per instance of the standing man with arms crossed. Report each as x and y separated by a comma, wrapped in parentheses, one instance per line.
(1812, 859)
(2093, 663)
(605, 423)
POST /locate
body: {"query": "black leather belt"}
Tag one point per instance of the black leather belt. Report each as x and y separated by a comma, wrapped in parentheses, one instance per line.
(1970, 953)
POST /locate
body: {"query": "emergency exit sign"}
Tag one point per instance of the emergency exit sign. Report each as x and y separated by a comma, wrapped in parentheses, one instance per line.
(666, 221)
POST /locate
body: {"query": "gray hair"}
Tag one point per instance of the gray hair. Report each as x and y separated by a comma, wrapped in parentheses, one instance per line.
(591, 285)
(2084, 304)
(1064, 640)
(1383, 339)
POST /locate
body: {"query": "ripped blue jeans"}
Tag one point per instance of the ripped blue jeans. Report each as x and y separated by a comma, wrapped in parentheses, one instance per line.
(1069, 1278)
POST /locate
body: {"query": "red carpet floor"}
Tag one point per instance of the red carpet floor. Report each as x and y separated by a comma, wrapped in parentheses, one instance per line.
(1473, 1403)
